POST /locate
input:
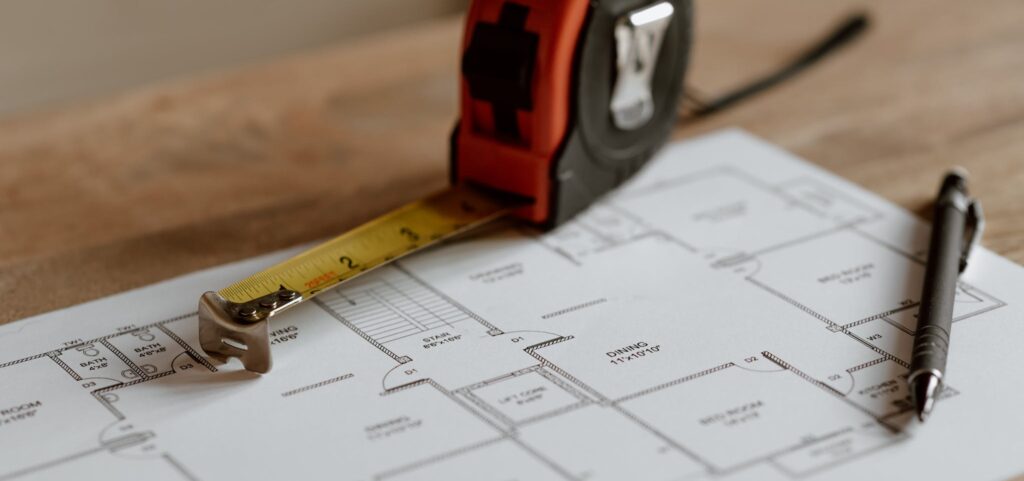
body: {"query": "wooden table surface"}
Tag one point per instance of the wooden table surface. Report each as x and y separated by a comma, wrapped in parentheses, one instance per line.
(151, 184)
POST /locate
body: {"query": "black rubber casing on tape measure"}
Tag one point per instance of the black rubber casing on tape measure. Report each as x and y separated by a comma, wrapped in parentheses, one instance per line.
(595, 155)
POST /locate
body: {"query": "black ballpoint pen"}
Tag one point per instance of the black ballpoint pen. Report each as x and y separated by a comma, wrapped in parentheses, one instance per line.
(956, 227)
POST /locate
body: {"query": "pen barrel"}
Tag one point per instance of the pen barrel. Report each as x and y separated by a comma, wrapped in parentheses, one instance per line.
(935, 317)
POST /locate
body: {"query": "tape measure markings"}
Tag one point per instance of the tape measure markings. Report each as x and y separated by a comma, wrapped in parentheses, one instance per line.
(398, 233)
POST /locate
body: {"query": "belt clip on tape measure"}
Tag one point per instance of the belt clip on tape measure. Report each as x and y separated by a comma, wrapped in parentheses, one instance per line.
(561, 101)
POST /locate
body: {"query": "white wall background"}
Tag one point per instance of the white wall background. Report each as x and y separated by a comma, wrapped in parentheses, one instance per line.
(57, 51)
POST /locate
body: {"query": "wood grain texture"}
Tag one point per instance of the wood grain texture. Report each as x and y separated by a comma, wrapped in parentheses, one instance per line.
(151, 184)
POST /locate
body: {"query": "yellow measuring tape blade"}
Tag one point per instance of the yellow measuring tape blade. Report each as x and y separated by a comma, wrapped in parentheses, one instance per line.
(374, 243)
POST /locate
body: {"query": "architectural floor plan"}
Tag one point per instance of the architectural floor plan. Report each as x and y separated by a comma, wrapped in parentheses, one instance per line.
(731, 313)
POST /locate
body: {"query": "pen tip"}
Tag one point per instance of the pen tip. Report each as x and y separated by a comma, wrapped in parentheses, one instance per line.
(958, 171)
(925, 387)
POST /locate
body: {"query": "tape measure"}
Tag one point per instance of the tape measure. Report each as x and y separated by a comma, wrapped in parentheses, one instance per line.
(544, 131)
(232, 320)
(389, 237)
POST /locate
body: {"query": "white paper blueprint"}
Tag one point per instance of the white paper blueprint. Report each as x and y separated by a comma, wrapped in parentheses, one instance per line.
(732, 313)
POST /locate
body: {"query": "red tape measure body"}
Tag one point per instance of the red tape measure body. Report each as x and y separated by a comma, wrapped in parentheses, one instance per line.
(511, 129)
(537, 80)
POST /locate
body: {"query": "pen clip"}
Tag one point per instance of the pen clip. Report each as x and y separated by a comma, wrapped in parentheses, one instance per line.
(972, 230)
